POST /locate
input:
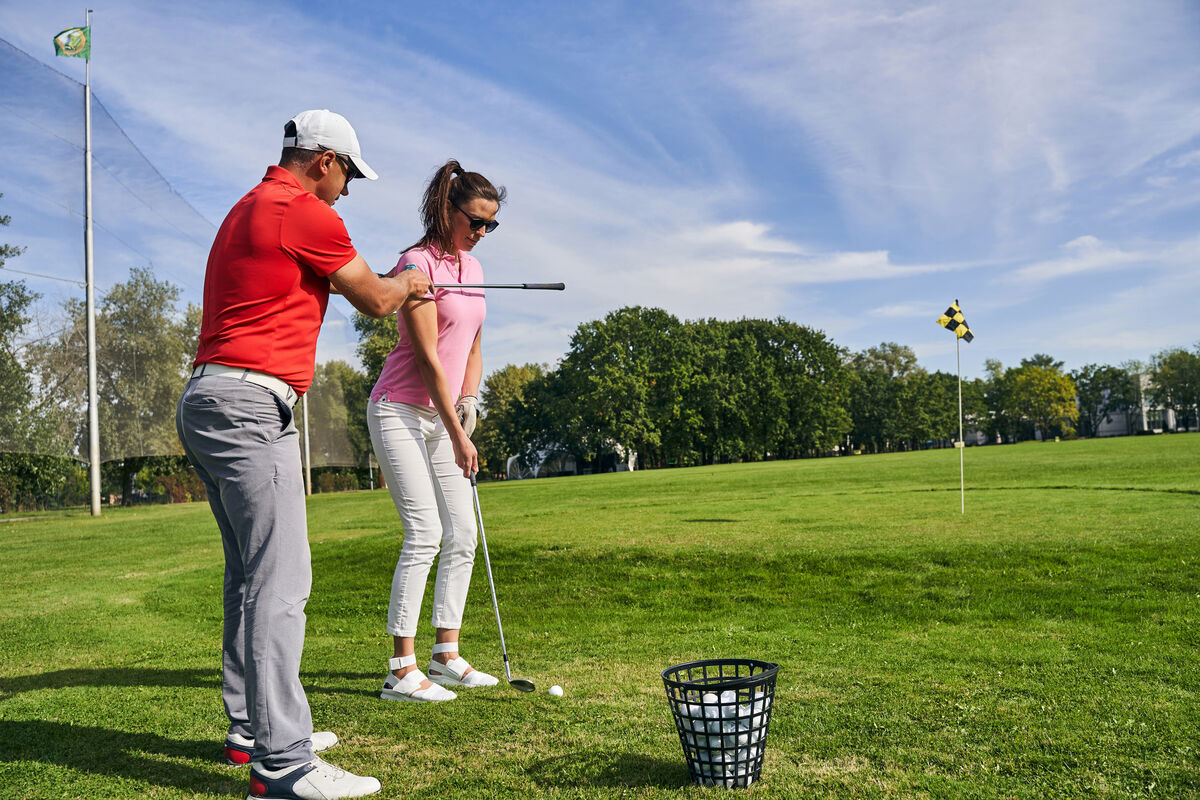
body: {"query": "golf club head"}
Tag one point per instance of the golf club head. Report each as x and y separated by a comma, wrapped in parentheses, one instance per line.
(521, 685)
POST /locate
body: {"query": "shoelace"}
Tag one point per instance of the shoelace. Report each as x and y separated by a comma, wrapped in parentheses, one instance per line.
(329, 770)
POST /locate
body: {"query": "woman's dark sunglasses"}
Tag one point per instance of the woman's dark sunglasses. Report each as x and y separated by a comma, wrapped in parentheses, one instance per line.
(488, 225)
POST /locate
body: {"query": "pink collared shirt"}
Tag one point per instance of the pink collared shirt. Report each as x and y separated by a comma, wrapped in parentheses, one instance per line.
(460, 318)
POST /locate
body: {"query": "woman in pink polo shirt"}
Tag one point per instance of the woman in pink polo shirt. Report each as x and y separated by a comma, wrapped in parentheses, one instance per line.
(421, 415)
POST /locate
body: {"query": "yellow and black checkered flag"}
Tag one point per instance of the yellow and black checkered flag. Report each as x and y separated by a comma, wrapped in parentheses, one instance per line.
(953, 320)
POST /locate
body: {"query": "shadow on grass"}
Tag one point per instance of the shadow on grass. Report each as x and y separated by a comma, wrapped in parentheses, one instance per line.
(605, 769)
(117, 753)
(314, 682)
(113, 676)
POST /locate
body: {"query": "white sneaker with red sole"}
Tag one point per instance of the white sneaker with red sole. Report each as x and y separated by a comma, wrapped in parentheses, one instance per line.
(238, 748)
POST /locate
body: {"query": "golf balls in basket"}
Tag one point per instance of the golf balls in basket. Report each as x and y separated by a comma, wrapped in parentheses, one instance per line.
(556, 690)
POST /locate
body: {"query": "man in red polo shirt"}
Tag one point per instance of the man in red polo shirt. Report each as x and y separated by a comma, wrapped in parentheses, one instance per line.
(265, 292)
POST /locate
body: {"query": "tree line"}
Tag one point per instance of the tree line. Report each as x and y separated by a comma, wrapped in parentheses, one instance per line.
(712, 391)
(639, 381)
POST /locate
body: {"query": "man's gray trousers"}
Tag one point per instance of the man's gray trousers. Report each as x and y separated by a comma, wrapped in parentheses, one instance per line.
(242, 440)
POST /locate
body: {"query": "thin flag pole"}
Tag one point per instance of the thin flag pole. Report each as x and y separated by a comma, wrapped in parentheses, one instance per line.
(962, 484)
(89, 282)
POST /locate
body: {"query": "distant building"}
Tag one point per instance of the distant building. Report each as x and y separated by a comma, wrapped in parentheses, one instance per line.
(552, 463)
(1146, 418)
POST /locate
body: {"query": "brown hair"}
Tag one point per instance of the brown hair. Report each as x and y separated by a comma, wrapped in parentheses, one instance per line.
(451, 185)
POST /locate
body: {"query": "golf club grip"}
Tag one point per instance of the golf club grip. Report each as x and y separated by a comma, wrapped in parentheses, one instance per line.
(558, 287)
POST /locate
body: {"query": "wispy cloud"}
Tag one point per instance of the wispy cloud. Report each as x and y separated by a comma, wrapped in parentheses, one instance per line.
(809, 160)
(901, 310)
(944, 117)
(1083, 255)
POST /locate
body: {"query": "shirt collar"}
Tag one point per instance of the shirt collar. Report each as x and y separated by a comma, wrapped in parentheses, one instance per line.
(278, 173)
(441, 256)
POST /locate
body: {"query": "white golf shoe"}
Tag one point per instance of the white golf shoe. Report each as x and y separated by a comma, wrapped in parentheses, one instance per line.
(456, 671)
(239, 749)
(316, 780)
(407, 688)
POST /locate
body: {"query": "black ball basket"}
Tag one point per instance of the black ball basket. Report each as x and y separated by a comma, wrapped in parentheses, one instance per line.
(722, 709)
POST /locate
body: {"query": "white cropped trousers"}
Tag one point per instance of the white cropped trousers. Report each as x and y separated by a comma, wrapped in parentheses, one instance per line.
(434, 500)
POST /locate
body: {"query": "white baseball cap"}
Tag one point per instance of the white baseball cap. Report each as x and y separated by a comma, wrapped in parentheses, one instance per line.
(322, 129)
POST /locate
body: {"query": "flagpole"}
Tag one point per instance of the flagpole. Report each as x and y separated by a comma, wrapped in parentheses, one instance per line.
(962, 485)
(93, 408)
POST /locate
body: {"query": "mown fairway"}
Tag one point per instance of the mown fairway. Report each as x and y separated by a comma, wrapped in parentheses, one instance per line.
(1042, 645)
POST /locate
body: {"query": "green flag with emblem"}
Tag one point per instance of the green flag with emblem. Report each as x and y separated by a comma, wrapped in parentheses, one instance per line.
(75, 42)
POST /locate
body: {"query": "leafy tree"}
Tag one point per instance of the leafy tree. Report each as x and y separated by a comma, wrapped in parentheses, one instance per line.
(875, 403)
(928, 404)
(15, 300)
(1101, 392)
(1002, 421)
(815, 389)
(874, 406)
(975, 412)
(1042, 360)
(356, 391)
(144, 349)
(1175, 382)
(331, 418)
(762, 416)
(607, 373)
(144, 352)
(1035, 396)
(558, 424)
(889, 359)
(15, 389)
(1045, 397)
(57, 366)
(28, 481)
(671, 351)
(697, 392)
(717, 394)
(377, 336)
(504, 429)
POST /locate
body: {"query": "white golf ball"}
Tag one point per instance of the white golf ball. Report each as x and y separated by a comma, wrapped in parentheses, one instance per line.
(556, 690)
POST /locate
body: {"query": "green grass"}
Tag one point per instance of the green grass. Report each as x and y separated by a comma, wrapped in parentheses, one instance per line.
(1042, 645)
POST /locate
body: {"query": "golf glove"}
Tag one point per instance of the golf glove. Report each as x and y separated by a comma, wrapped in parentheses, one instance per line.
(468, 412)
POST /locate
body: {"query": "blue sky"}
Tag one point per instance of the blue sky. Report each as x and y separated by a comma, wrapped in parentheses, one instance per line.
(852, 166)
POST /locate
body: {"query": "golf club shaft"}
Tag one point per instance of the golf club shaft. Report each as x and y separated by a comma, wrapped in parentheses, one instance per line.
(487, 561)
(557, 287)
